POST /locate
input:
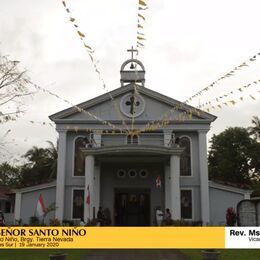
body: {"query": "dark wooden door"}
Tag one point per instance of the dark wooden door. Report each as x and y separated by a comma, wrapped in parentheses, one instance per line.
(132, 208)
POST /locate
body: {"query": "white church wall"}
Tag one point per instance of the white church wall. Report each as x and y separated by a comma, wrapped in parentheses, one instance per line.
(220, 201)
(107, 111)
(29, 202)
(109, 140)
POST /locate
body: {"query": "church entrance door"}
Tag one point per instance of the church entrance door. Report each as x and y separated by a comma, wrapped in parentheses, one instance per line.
(132, 207)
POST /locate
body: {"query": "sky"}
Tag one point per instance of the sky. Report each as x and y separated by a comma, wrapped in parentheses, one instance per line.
(189, 45)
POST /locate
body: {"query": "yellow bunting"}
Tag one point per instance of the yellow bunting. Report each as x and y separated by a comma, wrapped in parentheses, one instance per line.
(88, 47)
(81, 34)
(141, 16)
(227, 75)
(141, 2)
(76, 107)
(140, 38)
(89, 51)
(140, 44)
(229, 93)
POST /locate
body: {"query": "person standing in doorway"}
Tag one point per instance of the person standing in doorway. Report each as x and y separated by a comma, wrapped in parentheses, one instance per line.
(100, 217)
(159, 216)
(168, 216)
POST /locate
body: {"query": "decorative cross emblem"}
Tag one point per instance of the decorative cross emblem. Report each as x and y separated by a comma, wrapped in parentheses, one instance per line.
(132, 103)
(132, 50)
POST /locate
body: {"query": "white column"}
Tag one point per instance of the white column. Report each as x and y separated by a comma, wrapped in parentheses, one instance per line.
(61, 169)
(17, 206)
(204, 179)
(175, 186)
(89, 187)
(167, 186)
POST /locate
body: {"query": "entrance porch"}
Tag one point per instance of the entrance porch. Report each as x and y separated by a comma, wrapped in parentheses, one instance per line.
(123, 180)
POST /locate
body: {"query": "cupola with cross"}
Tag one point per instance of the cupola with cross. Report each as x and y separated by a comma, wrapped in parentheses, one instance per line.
(132, 71)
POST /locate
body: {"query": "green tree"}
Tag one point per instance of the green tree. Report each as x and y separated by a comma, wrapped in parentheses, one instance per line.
(52, 162)
(255, 129)
(9, 175)
(41, 166)
(234, 157)
(13, 88)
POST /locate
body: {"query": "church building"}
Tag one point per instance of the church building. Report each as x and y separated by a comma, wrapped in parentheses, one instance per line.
(131, 151)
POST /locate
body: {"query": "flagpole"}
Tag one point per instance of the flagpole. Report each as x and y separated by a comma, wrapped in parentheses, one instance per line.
(89, 211)
(35, 209)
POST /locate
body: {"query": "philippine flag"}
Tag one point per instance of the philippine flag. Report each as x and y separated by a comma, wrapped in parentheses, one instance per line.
(40, 206)
(158, 181)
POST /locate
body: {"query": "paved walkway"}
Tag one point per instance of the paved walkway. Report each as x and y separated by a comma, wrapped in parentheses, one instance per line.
(135, 255)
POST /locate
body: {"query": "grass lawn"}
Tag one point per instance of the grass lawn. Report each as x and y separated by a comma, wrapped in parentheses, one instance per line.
(226, 254)
(30, 254)
(193, 254)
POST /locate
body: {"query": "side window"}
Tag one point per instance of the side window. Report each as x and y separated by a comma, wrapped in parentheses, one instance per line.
(79, 160)
(7, 207)
(185, 160)
(186, 204)
(78, 204)
(132, 139)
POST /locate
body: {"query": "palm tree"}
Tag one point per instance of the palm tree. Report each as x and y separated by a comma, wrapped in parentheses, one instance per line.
(42, 163)
(52, 152)
(255, 130)
(36, 156)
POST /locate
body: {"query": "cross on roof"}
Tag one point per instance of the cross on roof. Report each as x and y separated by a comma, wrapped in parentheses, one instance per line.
(132, 103)
(132, 50)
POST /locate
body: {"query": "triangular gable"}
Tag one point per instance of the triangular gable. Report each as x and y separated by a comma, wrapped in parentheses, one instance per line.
(156, 105)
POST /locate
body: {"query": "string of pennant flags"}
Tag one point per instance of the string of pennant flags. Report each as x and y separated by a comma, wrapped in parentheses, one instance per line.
(166, 117)
(223, 96)
(229, 74)
(140, 37)
(142, 7)
(77, 108)
(94, 62)
(230, 102)
(42, 123)
(187, 114)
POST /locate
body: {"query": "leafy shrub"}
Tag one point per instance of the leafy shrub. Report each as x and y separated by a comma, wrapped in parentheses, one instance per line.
(34, 221)
(55, 222)
(67, 222)
(92, 222)
(182, 223)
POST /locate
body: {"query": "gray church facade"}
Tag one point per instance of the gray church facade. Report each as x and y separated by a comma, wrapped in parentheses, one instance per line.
(105, 160)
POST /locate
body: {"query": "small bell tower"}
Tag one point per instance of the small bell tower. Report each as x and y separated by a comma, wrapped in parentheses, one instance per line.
(132, 71)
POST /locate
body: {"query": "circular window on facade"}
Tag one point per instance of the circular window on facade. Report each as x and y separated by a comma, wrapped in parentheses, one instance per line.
(143, 173)
(132, 173)
(121, 173)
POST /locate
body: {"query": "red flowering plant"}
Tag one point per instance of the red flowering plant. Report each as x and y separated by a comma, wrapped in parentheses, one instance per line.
(231, 217)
